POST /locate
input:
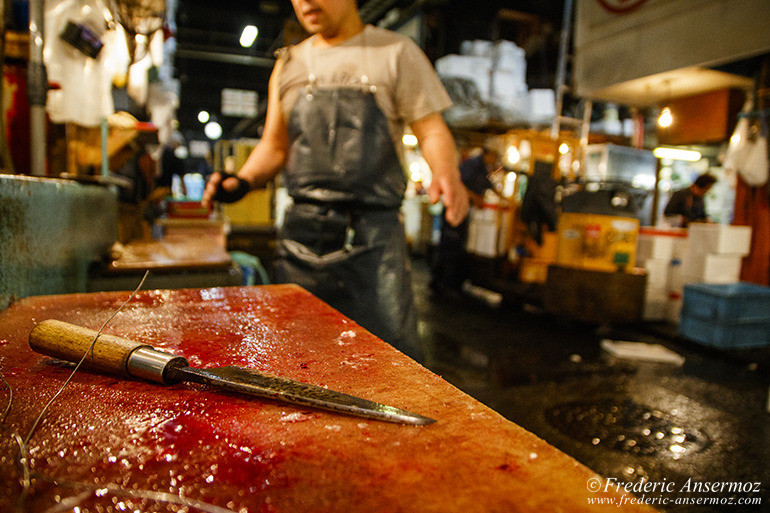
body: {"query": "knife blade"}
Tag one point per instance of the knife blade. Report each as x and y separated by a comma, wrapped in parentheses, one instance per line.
(129, 358)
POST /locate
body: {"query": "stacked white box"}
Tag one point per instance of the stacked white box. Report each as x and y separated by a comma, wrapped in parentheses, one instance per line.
(657, 273)
(719, 238)
(471, 67)
(658, 247)
(482, 232)
(478, 48)
(510, 93)
(658, 252)
(499, 71)
(656, 289)
(542, 105)
(715, 253)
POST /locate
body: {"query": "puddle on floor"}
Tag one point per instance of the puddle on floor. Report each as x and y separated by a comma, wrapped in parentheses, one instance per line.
(627, 426)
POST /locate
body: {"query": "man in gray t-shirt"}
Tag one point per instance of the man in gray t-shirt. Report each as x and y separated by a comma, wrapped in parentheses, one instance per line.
(332, 121)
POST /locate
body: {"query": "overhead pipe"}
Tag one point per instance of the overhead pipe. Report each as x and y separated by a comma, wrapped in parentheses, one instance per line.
(561, 67)
(37, 89)
(373, 10)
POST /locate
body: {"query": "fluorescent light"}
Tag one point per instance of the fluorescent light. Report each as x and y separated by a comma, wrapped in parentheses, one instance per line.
(203, 116)
(676, 154)
(666, 119)
(248, 36)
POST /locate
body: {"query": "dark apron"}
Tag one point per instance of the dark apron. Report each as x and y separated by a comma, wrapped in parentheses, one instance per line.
(343, 237)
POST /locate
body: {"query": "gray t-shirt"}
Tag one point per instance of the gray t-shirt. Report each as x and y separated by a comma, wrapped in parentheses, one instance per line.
(407, 87)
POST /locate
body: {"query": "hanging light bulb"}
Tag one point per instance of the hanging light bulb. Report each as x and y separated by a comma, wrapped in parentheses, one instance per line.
(666, 119)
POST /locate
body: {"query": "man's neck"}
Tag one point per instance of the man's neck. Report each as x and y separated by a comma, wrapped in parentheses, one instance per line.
(347, 30)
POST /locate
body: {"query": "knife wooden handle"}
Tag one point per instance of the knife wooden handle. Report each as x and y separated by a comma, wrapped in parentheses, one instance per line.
(70, 342)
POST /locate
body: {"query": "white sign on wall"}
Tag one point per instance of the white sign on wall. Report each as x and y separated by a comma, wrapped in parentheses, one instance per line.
(239, 102)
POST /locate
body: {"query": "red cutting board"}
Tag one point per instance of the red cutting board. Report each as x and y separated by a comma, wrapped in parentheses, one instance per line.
(108, 444)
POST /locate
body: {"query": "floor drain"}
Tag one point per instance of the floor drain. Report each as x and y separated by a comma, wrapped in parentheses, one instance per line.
(626, 426)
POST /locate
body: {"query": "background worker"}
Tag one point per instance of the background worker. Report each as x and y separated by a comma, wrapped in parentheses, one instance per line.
(688, 204)
(337, 106)
(449, 270)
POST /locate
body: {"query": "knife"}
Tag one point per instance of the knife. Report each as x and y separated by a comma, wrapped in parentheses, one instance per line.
(133, 359)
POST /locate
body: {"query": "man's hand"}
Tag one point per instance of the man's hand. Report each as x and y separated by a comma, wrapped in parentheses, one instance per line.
(219, 183)
(438, 149)
(455, 197)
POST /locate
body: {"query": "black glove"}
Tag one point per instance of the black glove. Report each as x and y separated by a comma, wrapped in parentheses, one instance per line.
(225, 196)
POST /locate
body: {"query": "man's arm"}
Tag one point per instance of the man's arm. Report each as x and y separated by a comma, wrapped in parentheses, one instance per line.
(270, 153)
(438, 149)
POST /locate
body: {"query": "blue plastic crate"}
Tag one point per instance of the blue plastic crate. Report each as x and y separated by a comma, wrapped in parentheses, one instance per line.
(727, 302)
(726, 334)
(728, 316)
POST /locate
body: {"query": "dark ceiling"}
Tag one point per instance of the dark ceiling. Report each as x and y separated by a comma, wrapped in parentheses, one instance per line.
(209, 57)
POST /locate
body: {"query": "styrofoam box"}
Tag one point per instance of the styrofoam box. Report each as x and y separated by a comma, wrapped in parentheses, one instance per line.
(657, 272)
(477, 69)
(713, 268)
(655, 303)
(542, 104)
(509, 92)
(654, 246)
(655, 311)
(509, 56)
(719, 238)
(676, 278)
(655, 294)
(482, 232)
(508, 83)
(674, 309)
(477, 48)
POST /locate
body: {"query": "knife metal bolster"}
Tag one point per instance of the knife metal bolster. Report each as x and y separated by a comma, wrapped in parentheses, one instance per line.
(153, 365)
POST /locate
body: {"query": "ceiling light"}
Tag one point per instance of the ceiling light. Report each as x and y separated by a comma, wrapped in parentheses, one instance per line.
(213, 130)
(513, 155)
(666, 119)
(676, 154)
(409, 140)
(248, 36)
(203, 116)
(415, 172)
(564, 148)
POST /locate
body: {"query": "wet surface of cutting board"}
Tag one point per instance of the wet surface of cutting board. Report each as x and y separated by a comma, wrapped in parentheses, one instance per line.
(109, 444)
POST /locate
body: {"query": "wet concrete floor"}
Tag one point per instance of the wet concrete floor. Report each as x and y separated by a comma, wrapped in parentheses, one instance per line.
(687, 428)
